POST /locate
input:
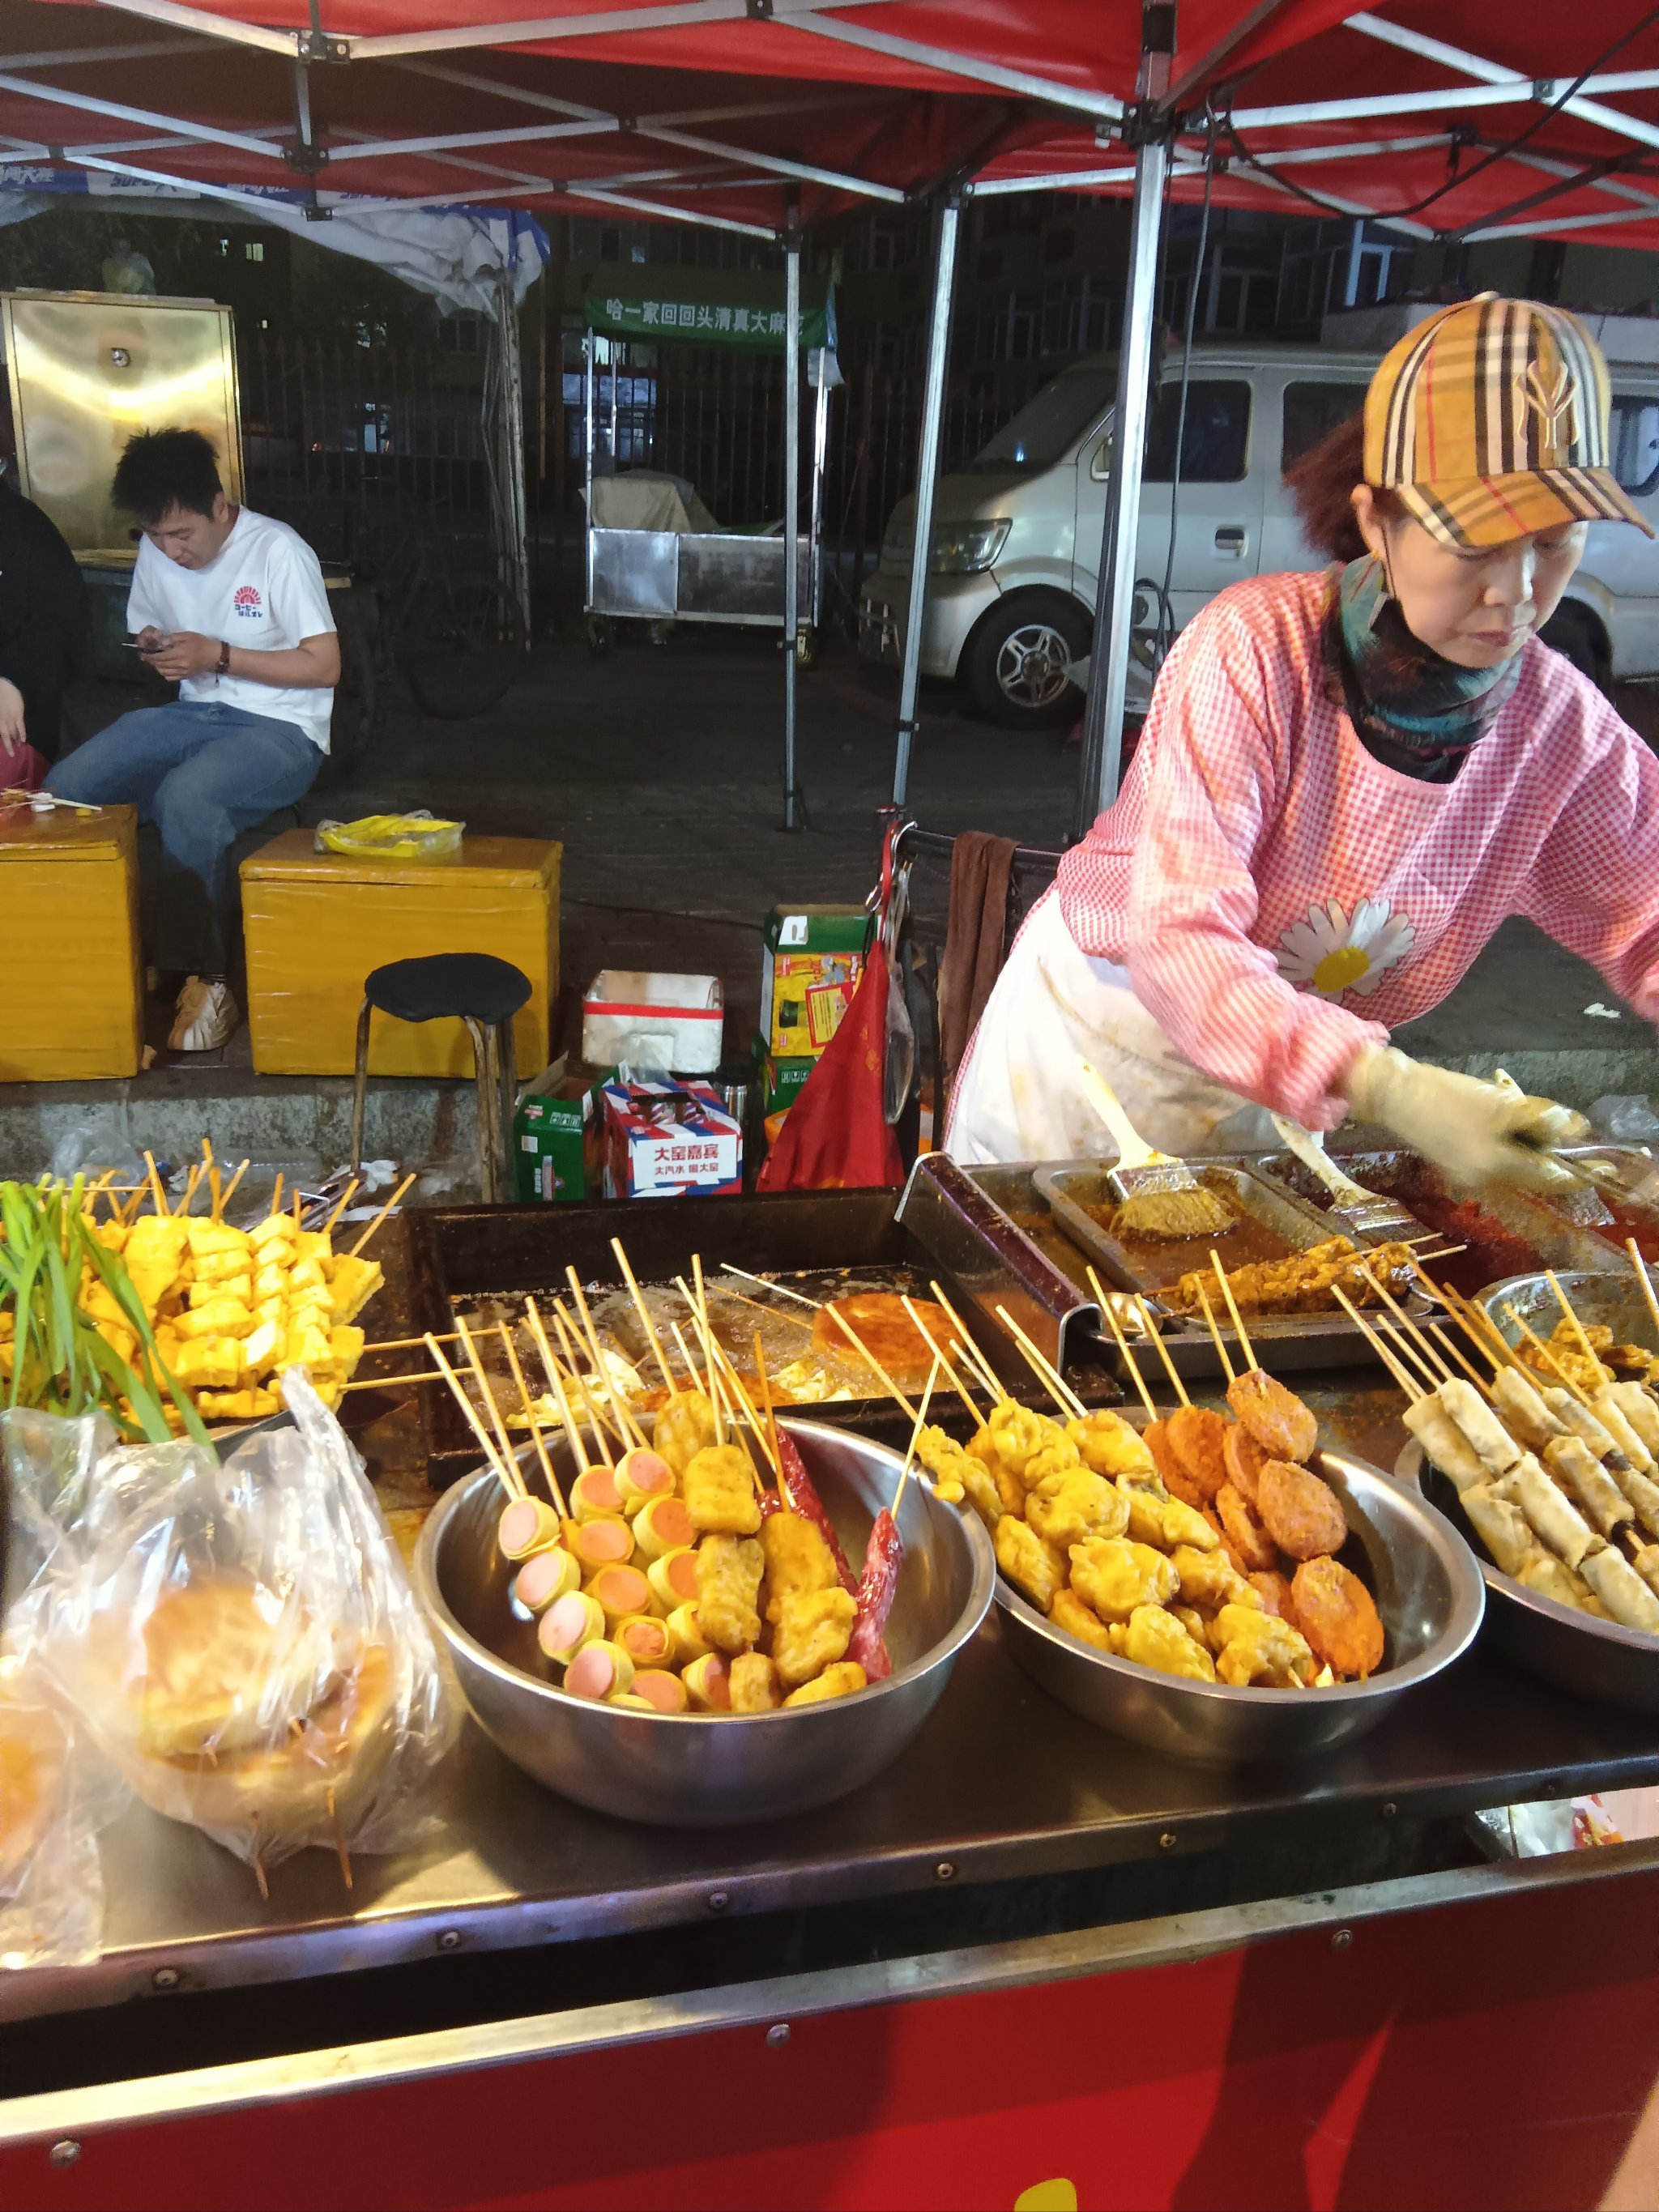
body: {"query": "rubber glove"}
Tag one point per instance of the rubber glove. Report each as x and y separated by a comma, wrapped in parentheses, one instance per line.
(1476, 1132)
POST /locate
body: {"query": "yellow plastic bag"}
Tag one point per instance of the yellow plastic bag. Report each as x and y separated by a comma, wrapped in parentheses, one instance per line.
(417, 836)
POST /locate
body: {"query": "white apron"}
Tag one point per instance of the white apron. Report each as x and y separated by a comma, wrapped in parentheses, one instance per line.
(1018, 1098)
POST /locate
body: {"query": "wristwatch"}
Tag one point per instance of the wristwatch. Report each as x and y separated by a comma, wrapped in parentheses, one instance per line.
(222, 667)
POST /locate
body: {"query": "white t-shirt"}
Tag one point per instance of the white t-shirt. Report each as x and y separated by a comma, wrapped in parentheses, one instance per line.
(264, 591)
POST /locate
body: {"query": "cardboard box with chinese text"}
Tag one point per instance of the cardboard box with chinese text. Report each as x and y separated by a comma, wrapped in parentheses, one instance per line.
(813, 958)
(663, 1138)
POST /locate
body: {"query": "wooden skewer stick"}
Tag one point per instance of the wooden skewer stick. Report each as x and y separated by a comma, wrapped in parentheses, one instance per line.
(622, 1418)
(1221, 1349)
(565, 1331)
(1116, 1327)
(1579, 1328)
(153, 1184)
(1548, 1352)
(1643, 1278)
(229, 1190)
(966, 1396)
(555, 1384)
(767, 1284)
(705, 1337)
(693, 1374)
(528, 1403)
(1407, 1336)
(1443, 1337)
(771, 1422)
(1407, 1382)
(642, 1310)
(407, 1184)
(1176, 1383)
(495, 1420)
(777, 1313)
(407, 1343)
(385, 1381)
(276, 1196)
(345, 1201)
(987, 1376)
(1239, 1329)
(1043, 1368)
(871, 1360)
(909, 1306)
(746, 1405)
(495, 1461)
(915, 1437)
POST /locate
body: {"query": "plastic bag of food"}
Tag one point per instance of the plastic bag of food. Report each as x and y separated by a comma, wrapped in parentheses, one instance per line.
(240, 1639)
(51, 1881)
(417, 836)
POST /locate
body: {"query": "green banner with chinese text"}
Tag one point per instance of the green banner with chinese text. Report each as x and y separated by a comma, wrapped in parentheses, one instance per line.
(705, 307)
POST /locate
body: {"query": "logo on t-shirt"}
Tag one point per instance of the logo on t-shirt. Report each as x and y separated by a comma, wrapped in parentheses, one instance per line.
(247, 601)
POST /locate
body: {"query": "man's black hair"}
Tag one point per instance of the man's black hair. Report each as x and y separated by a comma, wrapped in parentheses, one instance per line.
(160, 469)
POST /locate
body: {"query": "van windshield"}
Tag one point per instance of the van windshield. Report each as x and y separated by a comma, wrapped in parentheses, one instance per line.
(1050, 422)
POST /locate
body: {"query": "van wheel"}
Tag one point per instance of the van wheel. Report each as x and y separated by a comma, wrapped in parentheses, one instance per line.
(1015, 663)
(1578, 637)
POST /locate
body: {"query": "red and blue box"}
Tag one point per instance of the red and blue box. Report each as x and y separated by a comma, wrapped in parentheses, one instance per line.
(663, 1138)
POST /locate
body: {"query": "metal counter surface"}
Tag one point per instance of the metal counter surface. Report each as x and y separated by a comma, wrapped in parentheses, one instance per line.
(1002, 1783)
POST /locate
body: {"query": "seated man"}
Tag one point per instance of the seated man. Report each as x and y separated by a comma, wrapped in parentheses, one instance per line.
(231, 606)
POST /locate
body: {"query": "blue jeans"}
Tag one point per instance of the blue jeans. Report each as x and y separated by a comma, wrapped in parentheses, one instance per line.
(200, 772)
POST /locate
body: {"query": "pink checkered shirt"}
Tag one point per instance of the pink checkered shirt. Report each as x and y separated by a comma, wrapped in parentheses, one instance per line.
(1254, 832)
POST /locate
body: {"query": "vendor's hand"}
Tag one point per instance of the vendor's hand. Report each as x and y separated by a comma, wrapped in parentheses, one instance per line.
(1476, 1132)
(182, 653)
(12, 732)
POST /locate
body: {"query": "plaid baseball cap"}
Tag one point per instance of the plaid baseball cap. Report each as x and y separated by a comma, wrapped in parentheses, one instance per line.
(1489, 421)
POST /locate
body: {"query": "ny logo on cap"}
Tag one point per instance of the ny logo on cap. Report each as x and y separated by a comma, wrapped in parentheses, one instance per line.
(1556, 406)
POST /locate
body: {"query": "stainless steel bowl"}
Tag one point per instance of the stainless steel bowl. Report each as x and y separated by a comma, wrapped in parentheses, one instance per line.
(1612, 1299)
(1428, 1592)
(692, 1770)
(1593, 1658)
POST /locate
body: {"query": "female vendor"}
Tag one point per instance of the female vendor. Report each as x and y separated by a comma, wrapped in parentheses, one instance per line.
(1347, 781)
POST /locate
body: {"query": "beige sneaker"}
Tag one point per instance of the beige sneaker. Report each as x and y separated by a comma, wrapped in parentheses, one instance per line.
(207, 1017)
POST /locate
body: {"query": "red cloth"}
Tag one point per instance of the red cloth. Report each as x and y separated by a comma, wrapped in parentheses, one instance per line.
(835, 1136)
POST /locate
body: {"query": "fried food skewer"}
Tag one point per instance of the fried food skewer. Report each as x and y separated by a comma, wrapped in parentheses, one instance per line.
(771, 1422)
(1578, 1330)
(1418, 1335)
(1547, 1353)
(1403, 1375)
(1243, 1334)
(643, 1311)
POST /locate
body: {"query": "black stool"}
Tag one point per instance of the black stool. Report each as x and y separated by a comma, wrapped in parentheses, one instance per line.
(474, 987)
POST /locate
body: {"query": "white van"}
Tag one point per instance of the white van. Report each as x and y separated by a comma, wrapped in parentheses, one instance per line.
(1010, 587)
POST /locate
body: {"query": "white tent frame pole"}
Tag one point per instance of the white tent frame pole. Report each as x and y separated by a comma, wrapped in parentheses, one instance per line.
(149, 50)
(792, 800)
(1475, 65)
(776, 164)
(61, 96)
(1544, 228)
(668, 213)
(454, 142)
(1100, 105)
(543, 30)
(1102, 763)
(933, 421)
(209, 26)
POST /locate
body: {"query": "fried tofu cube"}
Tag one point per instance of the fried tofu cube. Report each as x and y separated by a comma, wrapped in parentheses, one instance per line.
(270, 1282)
(718, 1487)
(1115, 1575)
(239, 1287)
(276, 1229)
(1031, 1566)
(219, 1318)
(345, 1349)
(354, 1284)
(1155, 1638)
(263, 1349)
(840, 1681)
(308, 1348)
(208, 1238)
(210, 1364)
(814, 1631)
(729, 1570)
(316, 1244)
(753, 1681)
(798, 1561)
(305, 1274)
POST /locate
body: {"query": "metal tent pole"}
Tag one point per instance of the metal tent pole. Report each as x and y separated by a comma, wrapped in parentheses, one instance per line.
(791, 512)
(932, 416)
(514, 518)
(1109, 666)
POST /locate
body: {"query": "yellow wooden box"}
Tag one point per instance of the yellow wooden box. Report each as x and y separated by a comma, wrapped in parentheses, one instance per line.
(316, 923)
(71, 995)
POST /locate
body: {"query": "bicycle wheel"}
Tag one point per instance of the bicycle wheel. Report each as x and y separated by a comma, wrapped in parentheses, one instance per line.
(461, 646)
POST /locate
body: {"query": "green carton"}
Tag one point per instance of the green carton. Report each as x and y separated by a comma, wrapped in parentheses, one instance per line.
(556, 1134)
(778, 1079)
(809, 969)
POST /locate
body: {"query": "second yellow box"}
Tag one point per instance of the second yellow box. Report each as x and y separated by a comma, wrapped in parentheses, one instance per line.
(316, 923)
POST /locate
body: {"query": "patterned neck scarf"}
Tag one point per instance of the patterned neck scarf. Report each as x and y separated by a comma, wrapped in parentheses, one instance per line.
(1413, 709)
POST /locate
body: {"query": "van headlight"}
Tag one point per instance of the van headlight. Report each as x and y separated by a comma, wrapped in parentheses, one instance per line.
(960, 549)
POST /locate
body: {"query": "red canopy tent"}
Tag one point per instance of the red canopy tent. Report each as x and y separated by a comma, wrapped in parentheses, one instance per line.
(1465, 117)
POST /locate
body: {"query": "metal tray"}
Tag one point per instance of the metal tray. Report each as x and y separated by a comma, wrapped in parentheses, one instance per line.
(1595, 1659)
(1287, 1343)
(1610, 1300)
(1427, 1593)
(1556, 1241)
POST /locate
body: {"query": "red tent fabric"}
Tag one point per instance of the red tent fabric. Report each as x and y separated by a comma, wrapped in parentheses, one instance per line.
(574, 102)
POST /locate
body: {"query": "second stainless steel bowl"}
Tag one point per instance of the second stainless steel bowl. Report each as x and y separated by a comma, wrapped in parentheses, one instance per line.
(1428, 1591)
(692, 1770)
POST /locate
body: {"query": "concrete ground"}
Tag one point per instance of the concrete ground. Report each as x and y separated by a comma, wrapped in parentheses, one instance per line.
(660, 770)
